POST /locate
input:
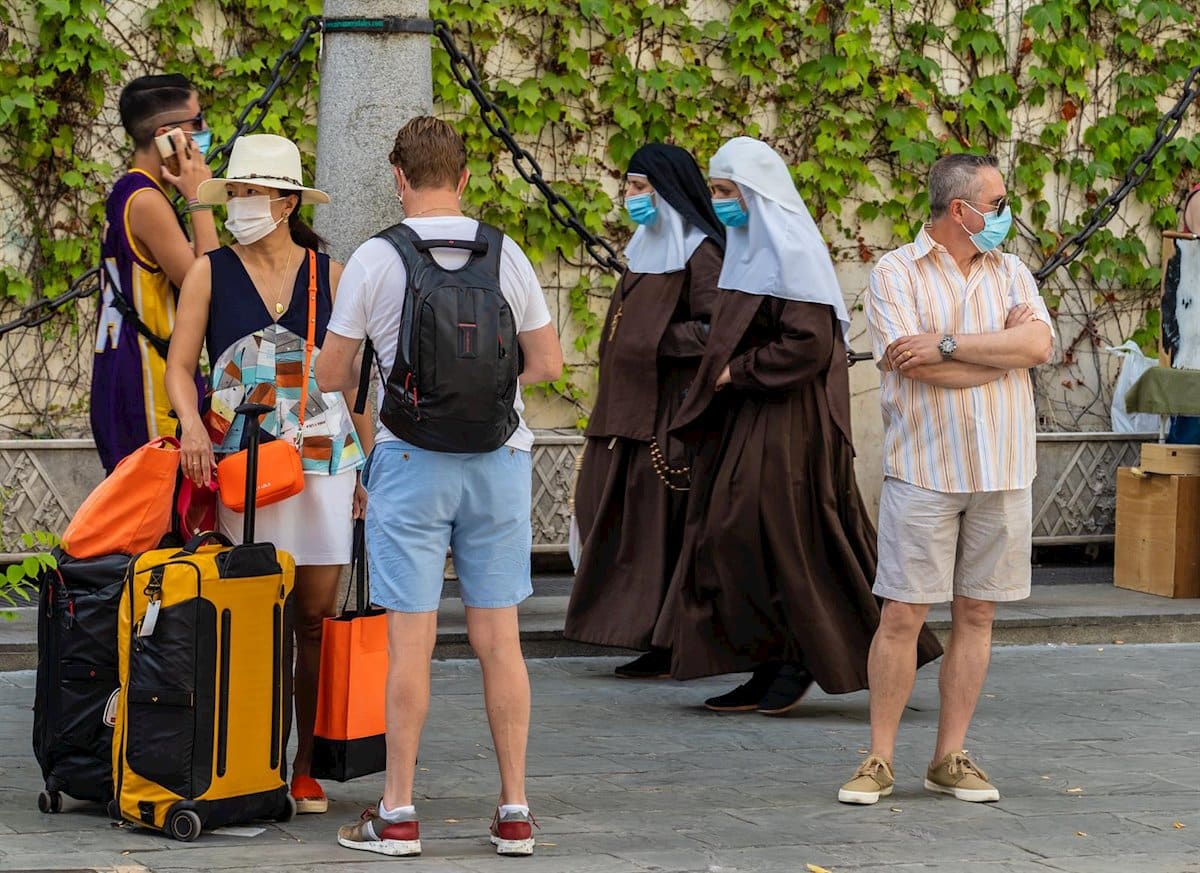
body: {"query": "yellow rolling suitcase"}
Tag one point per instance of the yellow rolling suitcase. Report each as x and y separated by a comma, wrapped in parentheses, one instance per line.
(205, 663)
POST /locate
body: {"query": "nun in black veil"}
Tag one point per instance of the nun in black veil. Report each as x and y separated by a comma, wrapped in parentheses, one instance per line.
(632, 491)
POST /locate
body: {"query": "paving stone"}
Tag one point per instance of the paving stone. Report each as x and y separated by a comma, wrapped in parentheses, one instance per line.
(952, 867)
(1137, 862)
(635, 777)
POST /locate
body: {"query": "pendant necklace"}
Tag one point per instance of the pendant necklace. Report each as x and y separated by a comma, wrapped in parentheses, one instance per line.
(282, 283)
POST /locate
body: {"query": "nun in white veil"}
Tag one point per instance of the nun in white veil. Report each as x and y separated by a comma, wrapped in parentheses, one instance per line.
(778, 557)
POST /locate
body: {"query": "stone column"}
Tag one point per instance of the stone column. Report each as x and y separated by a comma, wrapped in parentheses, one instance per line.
(370, 85)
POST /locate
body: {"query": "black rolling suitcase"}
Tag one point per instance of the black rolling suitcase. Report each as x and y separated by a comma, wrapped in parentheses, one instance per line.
(77, 677)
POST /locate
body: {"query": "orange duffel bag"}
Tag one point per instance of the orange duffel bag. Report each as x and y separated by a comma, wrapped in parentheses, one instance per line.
(349, 739)
(130, 511)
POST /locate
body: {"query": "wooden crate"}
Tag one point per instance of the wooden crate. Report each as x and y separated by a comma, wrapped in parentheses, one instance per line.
(1181, 460)
(1158, 533)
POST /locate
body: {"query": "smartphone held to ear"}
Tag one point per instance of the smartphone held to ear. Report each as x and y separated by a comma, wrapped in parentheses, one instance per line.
(166, 148)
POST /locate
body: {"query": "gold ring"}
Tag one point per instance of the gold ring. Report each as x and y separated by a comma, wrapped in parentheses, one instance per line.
(908, 354)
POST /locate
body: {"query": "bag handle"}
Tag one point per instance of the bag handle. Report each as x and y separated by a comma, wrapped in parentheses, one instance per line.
(193, 545)
(358, 569)
(475, 247)
(310, 339)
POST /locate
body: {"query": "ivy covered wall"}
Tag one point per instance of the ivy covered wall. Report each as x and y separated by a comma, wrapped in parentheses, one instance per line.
(859, 95)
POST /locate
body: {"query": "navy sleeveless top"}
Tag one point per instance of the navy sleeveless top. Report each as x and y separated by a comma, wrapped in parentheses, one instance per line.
(257, 358)
(236, 309)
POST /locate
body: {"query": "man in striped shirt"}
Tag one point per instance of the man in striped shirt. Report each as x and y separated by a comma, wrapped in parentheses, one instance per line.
(955, 324)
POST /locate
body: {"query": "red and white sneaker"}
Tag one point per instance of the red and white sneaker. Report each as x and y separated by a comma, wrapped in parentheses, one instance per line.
(373, 833)
(512, 833)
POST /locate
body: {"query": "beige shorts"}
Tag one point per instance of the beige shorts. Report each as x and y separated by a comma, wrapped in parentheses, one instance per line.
(934, 546)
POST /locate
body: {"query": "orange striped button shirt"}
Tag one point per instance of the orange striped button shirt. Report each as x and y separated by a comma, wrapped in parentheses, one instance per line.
(953, 440)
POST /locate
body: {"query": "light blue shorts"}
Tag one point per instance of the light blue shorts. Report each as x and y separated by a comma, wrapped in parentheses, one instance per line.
(420, 502)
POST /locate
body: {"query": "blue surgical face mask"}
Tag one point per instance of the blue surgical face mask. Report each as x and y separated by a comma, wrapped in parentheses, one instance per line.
(996, 226)
(730, 212)
(202, 140)
(641, 208)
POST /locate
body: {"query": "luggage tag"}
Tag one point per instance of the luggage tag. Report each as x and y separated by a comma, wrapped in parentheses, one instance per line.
(110, 709)
(151, 619)
(154, 591)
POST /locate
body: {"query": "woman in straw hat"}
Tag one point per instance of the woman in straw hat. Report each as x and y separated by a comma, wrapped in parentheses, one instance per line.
(248, 304)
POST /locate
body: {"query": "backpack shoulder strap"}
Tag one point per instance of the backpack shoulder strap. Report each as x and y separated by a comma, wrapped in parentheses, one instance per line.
(494, 239)
(108, 283)
(402, 239)
(364, 376)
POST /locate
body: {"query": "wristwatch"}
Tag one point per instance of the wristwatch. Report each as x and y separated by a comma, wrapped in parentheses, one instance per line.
(947, 347)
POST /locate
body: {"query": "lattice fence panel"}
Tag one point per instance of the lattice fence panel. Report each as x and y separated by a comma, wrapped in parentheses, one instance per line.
(553, 483)
(1077, 495)
(29, 499)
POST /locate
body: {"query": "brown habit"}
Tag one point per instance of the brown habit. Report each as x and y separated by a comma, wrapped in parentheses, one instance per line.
(630, 521)
(779, 552)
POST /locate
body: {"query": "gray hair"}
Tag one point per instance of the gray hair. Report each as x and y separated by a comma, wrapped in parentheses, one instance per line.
(954, 177)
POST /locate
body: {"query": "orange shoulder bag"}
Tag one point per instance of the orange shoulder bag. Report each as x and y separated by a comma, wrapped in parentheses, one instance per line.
(280, 472)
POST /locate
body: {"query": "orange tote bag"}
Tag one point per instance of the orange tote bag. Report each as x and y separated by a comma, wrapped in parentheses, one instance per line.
(130, 511)
(349, 740)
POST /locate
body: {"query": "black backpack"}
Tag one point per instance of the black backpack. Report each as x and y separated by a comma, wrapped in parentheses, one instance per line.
(454, 379)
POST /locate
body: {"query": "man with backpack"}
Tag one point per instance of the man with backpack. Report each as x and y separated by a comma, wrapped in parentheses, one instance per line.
(146, 253)
(455, 323)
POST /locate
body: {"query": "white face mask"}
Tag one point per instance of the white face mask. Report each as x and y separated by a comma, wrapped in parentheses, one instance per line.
(249, 219)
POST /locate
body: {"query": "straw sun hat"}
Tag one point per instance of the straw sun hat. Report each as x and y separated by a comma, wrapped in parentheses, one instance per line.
(265, 159)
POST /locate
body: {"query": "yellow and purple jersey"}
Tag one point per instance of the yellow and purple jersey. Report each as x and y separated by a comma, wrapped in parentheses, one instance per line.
(129, 404)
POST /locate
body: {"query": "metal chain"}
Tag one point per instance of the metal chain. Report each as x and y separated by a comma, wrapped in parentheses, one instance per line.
(40, 311)
(1168, 126)
(564, 213)
(467, 75)
(281, 73)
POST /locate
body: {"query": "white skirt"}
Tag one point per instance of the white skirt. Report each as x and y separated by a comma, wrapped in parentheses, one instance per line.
(315, 526)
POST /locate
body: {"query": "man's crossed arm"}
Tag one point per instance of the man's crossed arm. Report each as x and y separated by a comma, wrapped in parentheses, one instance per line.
(979, 358)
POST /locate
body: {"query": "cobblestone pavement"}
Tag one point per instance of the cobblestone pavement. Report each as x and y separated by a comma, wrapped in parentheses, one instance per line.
(1096, 751)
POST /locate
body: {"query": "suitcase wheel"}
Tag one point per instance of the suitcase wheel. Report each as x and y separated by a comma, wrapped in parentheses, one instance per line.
(114, 810)
(50, 802)
(289, 810)
(183, 825)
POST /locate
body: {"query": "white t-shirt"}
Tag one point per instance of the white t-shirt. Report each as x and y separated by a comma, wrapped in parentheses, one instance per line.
(370, 297)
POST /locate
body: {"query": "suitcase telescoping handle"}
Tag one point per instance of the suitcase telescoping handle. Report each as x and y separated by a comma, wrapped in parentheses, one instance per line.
(253, 412)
